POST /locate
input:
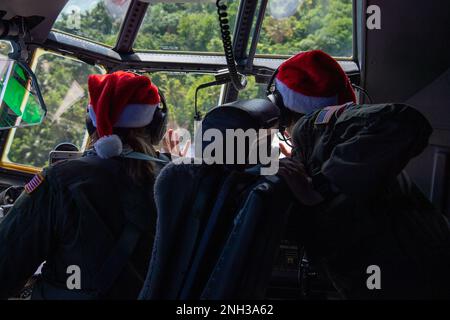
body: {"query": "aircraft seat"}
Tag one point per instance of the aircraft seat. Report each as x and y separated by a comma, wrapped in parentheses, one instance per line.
(218, 228)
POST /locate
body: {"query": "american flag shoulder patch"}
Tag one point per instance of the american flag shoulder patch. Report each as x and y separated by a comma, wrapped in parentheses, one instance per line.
(327, 113)
(34, 183)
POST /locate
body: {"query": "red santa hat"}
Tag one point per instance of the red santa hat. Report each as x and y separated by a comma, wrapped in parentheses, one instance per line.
(120, 99)
(313, 80)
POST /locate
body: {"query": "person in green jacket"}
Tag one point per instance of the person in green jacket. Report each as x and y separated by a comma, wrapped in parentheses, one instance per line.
(92, 220)
(370, 229)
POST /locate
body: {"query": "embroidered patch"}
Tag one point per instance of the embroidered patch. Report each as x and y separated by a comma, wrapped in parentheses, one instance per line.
(34, 183)
(325, 114)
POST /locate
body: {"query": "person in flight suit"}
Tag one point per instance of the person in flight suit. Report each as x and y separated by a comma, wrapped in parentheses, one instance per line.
(370, 229)
(92, 220)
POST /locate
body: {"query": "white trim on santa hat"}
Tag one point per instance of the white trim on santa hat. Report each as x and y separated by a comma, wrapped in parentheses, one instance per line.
(133, 115)
(300, 103)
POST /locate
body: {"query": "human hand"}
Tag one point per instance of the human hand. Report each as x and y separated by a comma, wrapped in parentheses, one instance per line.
(171, 144)
(293, 172)
(284, 148)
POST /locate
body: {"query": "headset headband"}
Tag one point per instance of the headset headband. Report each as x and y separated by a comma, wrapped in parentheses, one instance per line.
(160, 93)
(271, 82)
(163, 101)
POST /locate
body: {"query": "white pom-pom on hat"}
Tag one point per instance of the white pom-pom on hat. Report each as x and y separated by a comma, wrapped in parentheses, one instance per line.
(108, 146)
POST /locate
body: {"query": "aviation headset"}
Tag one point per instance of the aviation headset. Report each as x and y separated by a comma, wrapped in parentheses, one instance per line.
(158, 126)
(155, 129)
(276, 98)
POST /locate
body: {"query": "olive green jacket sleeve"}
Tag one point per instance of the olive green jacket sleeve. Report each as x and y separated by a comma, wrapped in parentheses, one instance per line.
(379, 142)
(365, 146)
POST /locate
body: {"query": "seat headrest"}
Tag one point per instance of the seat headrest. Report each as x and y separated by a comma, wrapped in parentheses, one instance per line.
(253, 114)
(243, 114)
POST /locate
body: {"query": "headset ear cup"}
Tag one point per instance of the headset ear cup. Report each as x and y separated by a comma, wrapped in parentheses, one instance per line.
(90, 125)
(157, 128)
(161, 128)
(275, 96)
(283, 111)
(277, 99)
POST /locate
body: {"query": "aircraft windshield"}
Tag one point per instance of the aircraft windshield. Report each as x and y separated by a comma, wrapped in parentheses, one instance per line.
(183, 27)
(289, 26)
(97, 20)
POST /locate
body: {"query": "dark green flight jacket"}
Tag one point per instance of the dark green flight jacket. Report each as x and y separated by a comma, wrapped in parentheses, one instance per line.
(373, 214)
(75, 215)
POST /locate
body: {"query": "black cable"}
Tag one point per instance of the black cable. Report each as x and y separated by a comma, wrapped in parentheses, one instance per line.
(286, 140)
(197, 113)
(228, 46)
(364, 91)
